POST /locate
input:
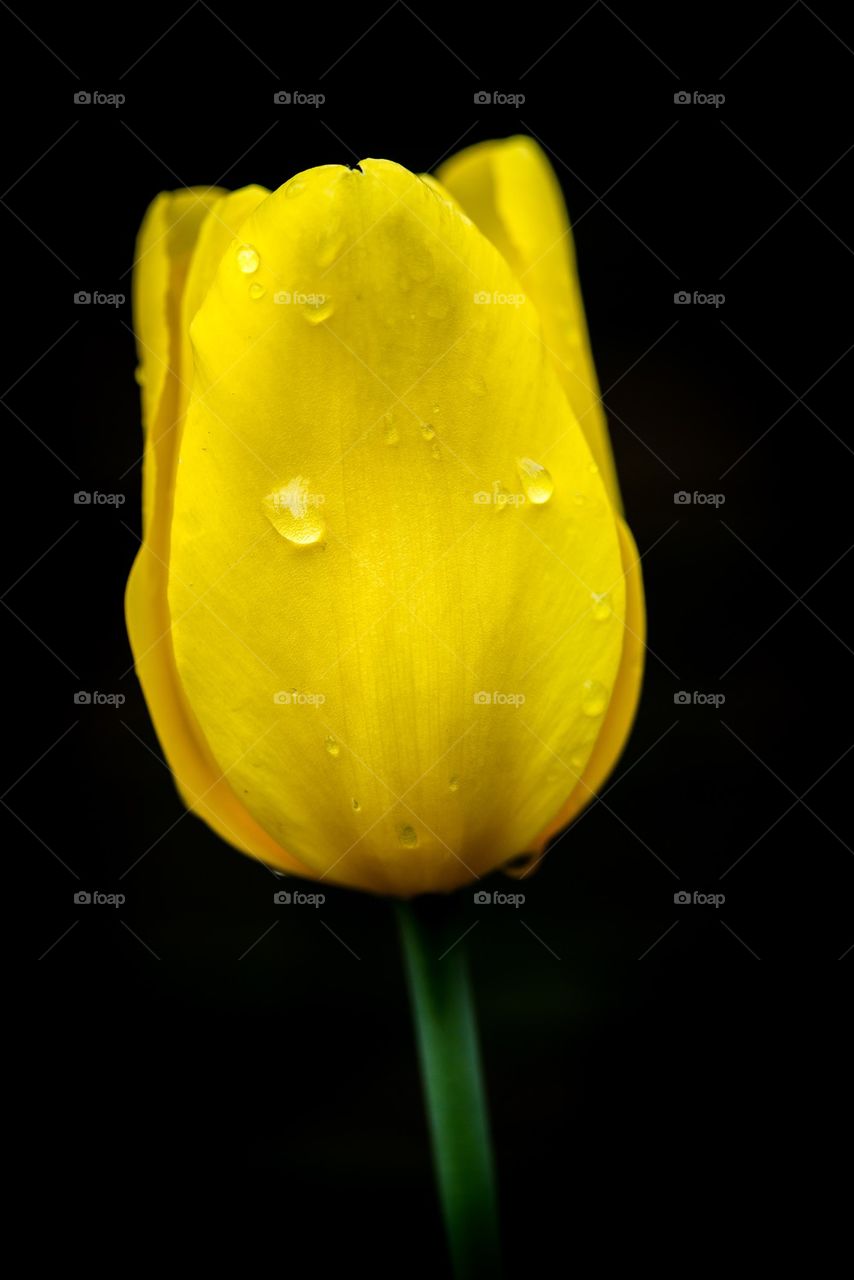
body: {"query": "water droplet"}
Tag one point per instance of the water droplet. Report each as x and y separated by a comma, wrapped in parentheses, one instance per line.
(536, 481)
(593, 469)
(357, 808)
(579, 499)
(454, 783)
(577, 761)
(294, 512)
(408, 837)
(294, 188)
(333, 746)
(428, 431)
(256, 291)
(139, 374)
(435, 410)
(438, 304)
(316, 307)
(600, 607)
(247, 259)
(594, 698)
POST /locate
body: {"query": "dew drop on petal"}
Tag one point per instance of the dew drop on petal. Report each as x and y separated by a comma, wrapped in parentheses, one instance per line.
(316, 308)
(536, 481)
(247, 259)
(256, 291)
(333, 747)
(454, 783)
(594, 698)
(600, 607)
(293, 511)
(294, 188)
(357, 808)
(428, 431)
(408, 837)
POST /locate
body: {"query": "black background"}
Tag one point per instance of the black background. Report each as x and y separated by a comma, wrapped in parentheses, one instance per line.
(629, 1033)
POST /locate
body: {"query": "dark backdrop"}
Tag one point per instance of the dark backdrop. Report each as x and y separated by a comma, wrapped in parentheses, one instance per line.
(194, 1031)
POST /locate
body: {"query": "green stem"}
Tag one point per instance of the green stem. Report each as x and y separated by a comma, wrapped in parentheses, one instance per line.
(446, 1030)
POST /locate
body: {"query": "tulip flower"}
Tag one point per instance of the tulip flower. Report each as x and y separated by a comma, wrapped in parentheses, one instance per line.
(386, 613)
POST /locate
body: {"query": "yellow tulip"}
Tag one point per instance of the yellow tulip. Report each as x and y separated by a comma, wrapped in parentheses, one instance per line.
(386, 613)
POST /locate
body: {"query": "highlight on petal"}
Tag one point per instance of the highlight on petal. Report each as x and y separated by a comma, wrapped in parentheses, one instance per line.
(388, 699)
(510, 190)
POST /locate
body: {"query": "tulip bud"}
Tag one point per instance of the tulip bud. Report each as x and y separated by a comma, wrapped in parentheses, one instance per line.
(386, 614)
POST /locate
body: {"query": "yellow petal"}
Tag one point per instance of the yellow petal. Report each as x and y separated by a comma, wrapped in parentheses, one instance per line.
(340, 592)
(621, 711)
(510, 190)
(180, 244)
(164, 248)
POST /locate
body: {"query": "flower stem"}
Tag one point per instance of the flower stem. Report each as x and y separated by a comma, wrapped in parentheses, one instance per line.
(446, 1030)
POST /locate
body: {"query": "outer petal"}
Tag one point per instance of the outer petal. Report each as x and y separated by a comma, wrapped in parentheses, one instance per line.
(621, 711)
(385, 399)
(510, 190)
(180, 244)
